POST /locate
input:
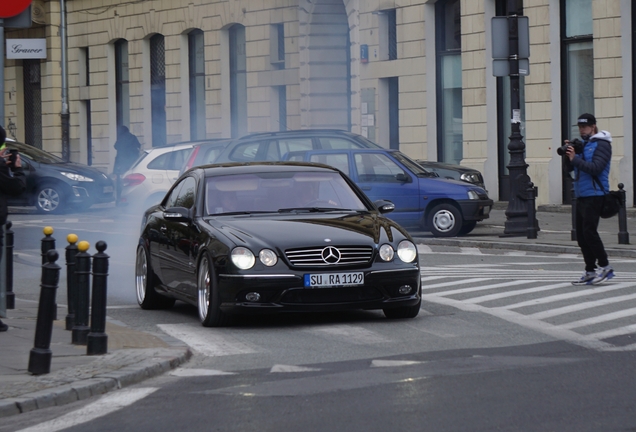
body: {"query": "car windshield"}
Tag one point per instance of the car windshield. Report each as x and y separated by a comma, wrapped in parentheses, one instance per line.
(415, 168)
(35, 154)
(284, 191)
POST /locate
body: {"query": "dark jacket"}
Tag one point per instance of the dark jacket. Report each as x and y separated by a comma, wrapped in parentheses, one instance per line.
(127, 146)
(593, 162)
(12, 182)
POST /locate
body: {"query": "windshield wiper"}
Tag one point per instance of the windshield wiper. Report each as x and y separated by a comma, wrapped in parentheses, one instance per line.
(307, 209)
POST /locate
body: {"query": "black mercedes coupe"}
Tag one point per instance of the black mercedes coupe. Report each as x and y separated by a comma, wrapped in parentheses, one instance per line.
(274, 237)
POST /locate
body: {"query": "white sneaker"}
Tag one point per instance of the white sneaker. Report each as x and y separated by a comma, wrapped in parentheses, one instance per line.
(606, 273)
(586, 279)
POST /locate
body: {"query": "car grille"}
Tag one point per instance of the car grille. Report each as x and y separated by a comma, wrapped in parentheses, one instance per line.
(329, 256)
(331, 296)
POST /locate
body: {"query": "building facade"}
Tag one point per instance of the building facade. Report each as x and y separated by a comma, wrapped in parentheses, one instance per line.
(410, 74)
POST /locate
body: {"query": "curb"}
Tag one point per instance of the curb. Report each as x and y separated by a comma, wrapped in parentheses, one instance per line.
(99, 384)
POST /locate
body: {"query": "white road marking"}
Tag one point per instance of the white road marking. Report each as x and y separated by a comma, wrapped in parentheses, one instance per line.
(582, 306)
(393, 363)
(600, 318)
(470, 251)
(484, 287)
(105, 405)
(352, 334)
(423, 249)
(614, 332)
(516, 293)
(291, 368)
(209, 342)
(185, 372)
(572, 295)
(452, 283)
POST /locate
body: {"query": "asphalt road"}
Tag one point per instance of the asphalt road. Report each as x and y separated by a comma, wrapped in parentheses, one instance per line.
(503, 342)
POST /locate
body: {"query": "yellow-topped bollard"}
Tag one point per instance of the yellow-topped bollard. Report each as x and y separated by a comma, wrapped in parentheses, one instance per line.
(71, 283)
(72, 238)
(48, 230)
(83, 246)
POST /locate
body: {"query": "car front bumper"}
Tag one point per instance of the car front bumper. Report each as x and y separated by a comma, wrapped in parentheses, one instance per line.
(475, 210)
(286, 293)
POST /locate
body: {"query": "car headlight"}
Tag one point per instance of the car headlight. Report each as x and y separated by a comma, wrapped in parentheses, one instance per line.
(77, 177)
(473, 195)
(386, 252)
(243, 258)
(268, 257)
(407, 251)
(471, 177)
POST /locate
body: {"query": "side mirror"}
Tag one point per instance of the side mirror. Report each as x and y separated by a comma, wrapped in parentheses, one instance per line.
(177, 214)
(401, 177)
(384, 206)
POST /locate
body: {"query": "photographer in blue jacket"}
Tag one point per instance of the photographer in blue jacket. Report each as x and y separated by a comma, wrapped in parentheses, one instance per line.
(589, 161)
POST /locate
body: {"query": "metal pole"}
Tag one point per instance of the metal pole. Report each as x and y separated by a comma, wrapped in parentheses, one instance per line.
(623, 235)
(71, 280)
(517, 212)
(82, 271)
(8, 249)
(2, 71)
(573, 230)
(97, 338)
(65, 115)
(47, 244)
(40, 355)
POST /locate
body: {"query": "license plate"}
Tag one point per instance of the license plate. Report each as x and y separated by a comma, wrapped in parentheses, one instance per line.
(322, 280)
(108, 189)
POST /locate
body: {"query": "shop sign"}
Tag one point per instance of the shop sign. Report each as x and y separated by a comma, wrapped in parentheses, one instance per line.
(26, 48)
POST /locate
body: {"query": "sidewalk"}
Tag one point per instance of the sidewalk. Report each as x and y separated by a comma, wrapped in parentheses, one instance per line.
(135, 356)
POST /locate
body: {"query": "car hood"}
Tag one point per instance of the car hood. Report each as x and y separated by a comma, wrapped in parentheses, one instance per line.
(444, 165)
(301, 230)
(440, 185)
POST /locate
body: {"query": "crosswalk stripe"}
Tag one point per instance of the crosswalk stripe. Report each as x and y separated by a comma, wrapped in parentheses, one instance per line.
(484, 287)
(515, 293)
(105, 405)
(209, 342)
(614, 332)
(572, 295)
(353, 334)
(600, 318)
(581, 306)
(445, 284)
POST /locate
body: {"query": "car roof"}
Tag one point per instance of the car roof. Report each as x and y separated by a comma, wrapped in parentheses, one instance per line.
(262, 167)
(301, 131)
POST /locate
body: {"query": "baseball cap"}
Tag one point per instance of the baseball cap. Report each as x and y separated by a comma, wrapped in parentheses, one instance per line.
(586, 120)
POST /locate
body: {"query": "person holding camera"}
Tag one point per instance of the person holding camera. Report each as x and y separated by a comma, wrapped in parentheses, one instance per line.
(12, 182)
(589, 160)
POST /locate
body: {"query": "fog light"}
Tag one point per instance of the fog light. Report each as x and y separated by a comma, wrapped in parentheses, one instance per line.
(253, 297)
(405, 289)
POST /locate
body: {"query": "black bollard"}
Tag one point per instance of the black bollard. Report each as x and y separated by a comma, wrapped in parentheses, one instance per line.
(82, 274)
(97, 338)
(9, 239)
(71, 280)
(40, 355)
(623, 235)
(532, 212)
(48, 243)
(573, 230)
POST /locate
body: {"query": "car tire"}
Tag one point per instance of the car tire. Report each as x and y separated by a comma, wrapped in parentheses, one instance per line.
(145, 281)
(403, 312)
(208, 300)
(467, 228)
(49, 198)
(444, 220)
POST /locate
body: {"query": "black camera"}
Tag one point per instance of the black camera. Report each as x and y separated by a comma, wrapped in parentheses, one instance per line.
(576, 143)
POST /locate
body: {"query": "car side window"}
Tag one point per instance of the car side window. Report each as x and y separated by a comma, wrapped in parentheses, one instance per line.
(376, 167)
(172, 197)
(331, 143)
(337, 160)
(185, 196)
(278, 149)
(245, 152)
(176, 159)
(159, 163)
(211, 154)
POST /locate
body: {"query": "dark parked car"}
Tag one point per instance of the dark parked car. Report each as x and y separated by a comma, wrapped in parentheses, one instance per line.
(274, 237)
(273, 146)
(54, 185)
(446, 208)
(452, 171)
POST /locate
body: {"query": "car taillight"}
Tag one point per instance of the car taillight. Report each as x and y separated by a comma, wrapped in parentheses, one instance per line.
(133, 180)
(190, 161)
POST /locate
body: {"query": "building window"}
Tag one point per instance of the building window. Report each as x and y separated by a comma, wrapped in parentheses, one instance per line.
(196, 60)
(449, 81)
(277, 46)
(32, 102)
(158, 90)
(282, 107)
(504, 111)
(85, 75)
(238, 81)
(392, 33)
(122, 83)
(394, 113)
(577, 70)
